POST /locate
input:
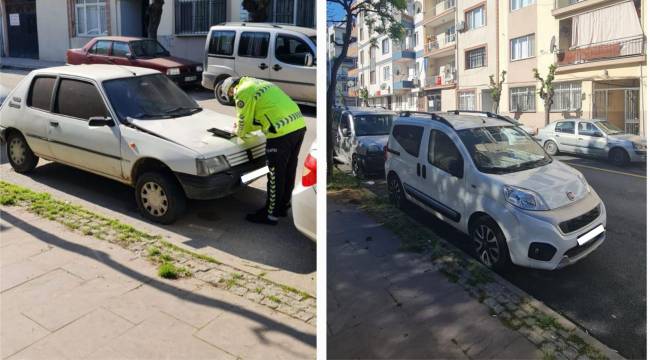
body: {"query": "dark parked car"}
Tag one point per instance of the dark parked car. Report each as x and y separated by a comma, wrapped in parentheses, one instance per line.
(134, 51)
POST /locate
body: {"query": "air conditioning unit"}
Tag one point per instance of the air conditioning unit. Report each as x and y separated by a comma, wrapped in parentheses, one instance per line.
(460, 26)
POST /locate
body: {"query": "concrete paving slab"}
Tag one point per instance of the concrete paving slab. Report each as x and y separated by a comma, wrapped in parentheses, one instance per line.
(17, 332)
(19, 272)
(38, 291)
(20, 251)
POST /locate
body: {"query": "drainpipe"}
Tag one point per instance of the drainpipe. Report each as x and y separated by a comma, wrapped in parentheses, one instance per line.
(498, 50)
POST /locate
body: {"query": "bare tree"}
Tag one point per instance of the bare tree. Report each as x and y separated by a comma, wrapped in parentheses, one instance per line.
(495, 91)
(154, 13)
(258, 10)
(363, 95)
(378, 14)
(546, 90)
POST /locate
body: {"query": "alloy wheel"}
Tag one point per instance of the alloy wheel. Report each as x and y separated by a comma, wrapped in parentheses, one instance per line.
(395, 190)
(154, 198)
(17, 150)
(486, 245)
(551, 148)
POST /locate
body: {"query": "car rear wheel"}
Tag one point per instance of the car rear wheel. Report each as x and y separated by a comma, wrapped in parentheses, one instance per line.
(357, 168)
(396, 191)
(221, 97)
(490, 244)
(159, 197)
(20, 155)
(551, 148)
(619, 157)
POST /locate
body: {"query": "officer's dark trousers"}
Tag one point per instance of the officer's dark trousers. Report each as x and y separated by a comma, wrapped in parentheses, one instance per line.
(282, 158)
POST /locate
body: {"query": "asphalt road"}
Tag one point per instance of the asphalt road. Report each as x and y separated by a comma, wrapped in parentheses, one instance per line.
(216, 227)
(605, 293)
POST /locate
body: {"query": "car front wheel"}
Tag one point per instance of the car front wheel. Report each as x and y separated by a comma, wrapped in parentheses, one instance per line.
(221, 97)
(357, 168)
(159, 197)
(396, 191)
(551, 148)
(20, 155)
(490, 244)
(619, 157)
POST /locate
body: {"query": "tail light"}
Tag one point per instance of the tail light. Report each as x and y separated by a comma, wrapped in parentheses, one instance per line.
(309, 173)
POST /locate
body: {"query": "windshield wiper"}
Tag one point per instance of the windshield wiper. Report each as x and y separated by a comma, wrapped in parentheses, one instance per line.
(150, 116)
(190, 110)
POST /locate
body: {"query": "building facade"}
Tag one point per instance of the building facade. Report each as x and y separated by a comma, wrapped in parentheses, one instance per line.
(45, 29)
(346, 76)
(452, 47)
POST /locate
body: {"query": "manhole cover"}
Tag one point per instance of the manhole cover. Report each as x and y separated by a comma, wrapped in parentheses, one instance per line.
(209, 215)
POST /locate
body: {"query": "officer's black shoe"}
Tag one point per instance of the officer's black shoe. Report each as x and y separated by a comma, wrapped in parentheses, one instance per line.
(285, 211)
(262, 218)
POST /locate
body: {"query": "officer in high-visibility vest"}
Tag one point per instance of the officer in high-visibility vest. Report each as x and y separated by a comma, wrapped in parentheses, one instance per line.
(262, 105)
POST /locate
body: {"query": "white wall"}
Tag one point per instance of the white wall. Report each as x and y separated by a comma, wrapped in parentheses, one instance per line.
(52, 27)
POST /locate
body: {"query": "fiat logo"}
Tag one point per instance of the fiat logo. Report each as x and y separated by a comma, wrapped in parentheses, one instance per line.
(571, 195)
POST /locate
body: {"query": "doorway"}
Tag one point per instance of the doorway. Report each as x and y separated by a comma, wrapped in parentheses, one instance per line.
(22, 34)
(619, 103)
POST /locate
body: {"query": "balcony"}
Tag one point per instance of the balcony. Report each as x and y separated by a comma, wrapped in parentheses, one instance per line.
(403, 55)
(565, 8)
(441, 45)
(439, 13)
(622, 50)
(440, 82)
(403, 83)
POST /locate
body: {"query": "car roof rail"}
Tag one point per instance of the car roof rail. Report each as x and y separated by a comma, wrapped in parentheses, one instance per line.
(486, 113)
(434, 116)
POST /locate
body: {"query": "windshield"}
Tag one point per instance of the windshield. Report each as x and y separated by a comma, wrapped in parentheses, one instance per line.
(148, 97)
(148, 49)
(368, 125)
(503, 149)
(608, 128)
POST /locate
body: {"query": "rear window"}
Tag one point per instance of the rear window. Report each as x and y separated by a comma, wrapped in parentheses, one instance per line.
(40, 95)
(254, 44)
(79, 99)
(120, 49)
(565, 127)
(222, 43)
(409, 137)
(291, 50)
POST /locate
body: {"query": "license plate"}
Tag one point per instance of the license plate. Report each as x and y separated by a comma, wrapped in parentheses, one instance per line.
(590, 235)
(248, 177)
(190, 78)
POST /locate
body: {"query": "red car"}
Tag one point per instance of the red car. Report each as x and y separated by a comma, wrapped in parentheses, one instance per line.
(134, 51)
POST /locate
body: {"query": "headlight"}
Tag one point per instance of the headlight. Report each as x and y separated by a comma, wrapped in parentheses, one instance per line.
(523, 198)
(199, 68)
(375, 148)
(205, 167)
(639, 147)
(174, 71)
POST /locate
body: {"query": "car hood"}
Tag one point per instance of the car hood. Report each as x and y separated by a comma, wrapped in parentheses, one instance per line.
(369, 141)
(192, 132)
(167, 62)
(628, 137)
(552, 182)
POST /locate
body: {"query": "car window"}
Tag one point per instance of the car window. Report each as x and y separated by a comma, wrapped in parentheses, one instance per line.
(101, 47)
(443, 152)
(40, 94)
(345, 122)
(409, 137)
(565, 127)
(291, 50)
(587, 129)
(254, 44)
(222, 43)
(120, 49)
(79, 99)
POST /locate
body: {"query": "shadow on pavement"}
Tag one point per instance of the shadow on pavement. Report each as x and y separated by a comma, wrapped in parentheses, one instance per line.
(217, 223)
(266, 324)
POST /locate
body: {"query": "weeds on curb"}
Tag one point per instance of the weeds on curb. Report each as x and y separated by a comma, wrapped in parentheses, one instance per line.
(168, 271)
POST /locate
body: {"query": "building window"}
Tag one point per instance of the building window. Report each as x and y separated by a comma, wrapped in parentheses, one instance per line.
(475, 58)
(91, 17)
(373, 77)
(518, 4)
(361, 84)
(386, 73)
(568, 96)
(522, 99)
(361, 58)
(466, 100)
(475, 18)
(415, 39)
(486, 100)
(194, 17)
(522, 47)
(384, 46)
(373, 52)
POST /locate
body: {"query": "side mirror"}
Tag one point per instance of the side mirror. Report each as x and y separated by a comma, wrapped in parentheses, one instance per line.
(597, 134)
(129, 56)
(345, 132)
(309, 59)
(456, 168)
(97, 121)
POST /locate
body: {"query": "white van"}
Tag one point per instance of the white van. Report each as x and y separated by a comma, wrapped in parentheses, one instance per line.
(489, 179)
(284, 55)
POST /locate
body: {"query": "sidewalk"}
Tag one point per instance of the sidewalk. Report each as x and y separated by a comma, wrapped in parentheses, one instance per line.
(68, 296)
(26, 64)
(409, 310)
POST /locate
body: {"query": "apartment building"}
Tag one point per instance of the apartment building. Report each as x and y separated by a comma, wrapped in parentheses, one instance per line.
(598, 47)
(346, 76)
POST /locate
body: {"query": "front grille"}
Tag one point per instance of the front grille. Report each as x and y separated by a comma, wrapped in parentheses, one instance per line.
(247, 155)
(580, 221)
(577, 250)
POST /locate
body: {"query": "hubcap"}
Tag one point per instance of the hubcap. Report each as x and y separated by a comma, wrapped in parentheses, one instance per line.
(154, 198)
(550, 148)
(220, 94)
(17, 151)
(395, 190)
(486, 245)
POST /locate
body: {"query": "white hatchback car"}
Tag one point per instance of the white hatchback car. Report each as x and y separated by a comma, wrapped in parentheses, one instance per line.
(133, 125)
(491, 180)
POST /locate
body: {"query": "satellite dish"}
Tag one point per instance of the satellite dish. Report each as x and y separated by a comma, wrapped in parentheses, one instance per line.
(552, 47)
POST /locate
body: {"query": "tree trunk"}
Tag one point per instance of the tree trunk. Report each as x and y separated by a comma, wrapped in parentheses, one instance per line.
(154, 13)
(495, 106)
(547, 113)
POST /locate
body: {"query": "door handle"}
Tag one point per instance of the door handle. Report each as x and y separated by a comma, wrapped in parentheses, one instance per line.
(418, 167)
(424, 172)
(277, 67)
(263, 66)
(54, 123)
(556, 135)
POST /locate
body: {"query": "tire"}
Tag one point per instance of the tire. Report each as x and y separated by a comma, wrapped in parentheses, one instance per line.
(619, 157)
(490, 244)
(551, 147)
(217, 94)
(21, 157)
(357, 168)
(159, 197)
(396, 192)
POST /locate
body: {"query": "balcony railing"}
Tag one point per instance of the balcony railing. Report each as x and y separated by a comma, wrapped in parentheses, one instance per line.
(440, 80)
(565, 3)
(434, 45)
(436, 9)
(607, 50)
